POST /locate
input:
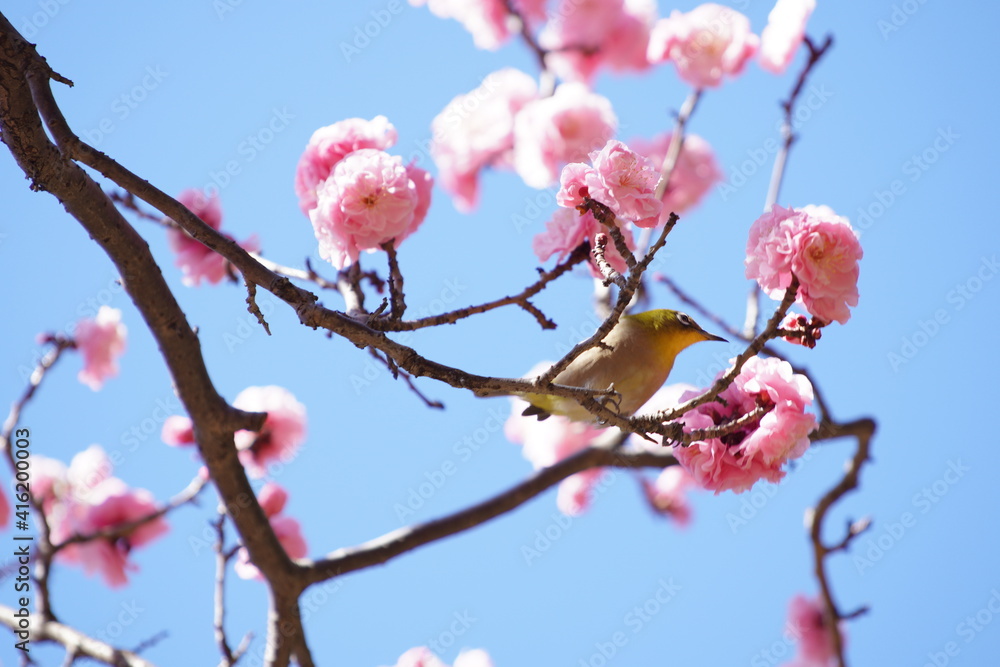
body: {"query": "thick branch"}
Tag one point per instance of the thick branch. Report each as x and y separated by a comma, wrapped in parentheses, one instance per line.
(400, 541)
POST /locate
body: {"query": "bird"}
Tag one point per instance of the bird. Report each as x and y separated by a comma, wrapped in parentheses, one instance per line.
(635, 360)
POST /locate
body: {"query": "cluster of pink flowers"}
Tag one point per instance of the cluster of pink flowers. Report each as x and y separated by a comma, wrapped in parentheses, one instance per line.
(807, 623)
(101, 341)
(620, 178)
(272, 499)
(567, 229)
(667, 494)
(421, 656)
(816, 245)
(476, 130)
(694, 174)
(736, 461)
(278, 440)
(705, 44)
(582, 37)
(85, 499)
(544, 443)
(357, 196)
(196, 261)
(556, 130)
(786, 27)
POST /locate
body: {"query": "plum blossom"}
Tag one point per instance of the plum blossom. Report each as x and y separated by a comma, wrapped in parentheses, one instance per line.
(807, 623)
(196, 261)
(486, 20)
(705, 44)
(667, 495)
(421, 656)
(737, 460)
(819, 247)
(329, 145)
(625, 182)
(567, 229)
(84, 499)
(101, 341)
(283, 431)
(476, 130)
(556, 130)
(546, 442)
(786, 27)
(369, 199)
(178, 431)
(694, 173)
(272, 499)
(584, 35)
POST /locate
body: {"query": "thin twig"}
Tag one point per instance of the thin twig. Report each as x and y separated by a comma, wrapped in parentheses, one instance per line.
(863, 430)
(396, 296)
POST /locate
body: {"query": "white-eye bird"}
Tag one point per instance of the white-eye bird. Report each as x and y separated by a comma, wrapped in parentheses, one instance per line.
(642, 352)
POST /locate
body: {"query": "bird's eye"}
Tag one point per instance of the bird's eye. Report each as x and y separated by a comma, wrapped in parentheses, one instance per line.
(685, 320)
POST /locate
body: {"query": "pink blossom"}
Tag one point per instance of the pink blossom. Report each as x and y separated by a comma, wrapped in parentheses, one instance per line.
(739, 459)
(694, 174)
(370, 199)
(84, 499)
(667, 495)
(196, 261)
(553, 131)
(809, 331)
(101, 341)
(807, 623)
(826, 264)
(113, 504)
(573, 190)
(705, 44)
(421, 656)
(487, 20)
(331, 144)
(476, 130)
(625, 182)
(547, 442)
(567, 229)
(584, 35)
(575, 492)
(819, 247)
(272, 500)
(786, 26)
(283, 431)
(178, 431)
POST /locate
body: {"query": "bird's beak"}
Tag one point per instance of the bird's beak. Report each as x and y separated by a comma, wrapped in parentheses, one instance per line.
(709, 336)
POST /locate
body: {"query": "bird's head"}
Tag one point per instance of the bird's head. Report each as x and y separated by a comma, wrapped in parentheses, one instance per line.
(676, 329)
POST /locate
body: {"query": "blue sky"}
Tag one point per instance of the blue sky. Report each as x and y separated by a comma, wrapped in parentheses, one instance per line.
(898, 133)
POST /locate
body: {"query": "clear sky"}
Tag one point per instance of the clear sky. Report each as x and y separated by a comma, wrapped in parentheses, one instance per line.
(899, 134)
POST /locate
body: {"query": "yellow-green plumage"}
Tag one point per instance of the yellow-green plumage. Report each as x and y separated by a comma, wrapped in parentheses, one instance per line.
(643, 349)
